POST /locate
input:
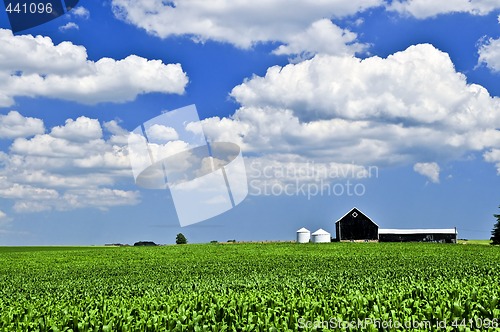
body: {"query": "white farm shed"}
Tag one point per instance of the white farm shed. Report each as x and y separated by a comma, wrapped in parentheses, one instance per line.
(303, 235)
(321, 236)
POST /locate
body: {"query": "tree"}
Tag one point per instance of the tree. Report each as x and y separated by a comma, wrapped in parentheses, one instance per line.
(495, 238)
(145, 244)
(181, 239)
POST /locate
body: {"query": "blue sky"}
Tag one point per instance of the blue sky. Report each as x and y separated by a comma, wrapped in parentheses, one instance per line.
(409, 88)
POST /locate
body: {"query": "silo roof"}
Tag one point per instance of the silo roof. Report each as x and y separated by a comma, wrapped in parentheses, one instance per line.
(321, 232)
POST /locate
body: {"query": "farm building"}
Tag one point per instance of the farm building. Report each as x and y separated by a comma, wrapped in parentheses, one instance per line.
(303, 235)
(356, 226)
(448, 235)
(321, 236)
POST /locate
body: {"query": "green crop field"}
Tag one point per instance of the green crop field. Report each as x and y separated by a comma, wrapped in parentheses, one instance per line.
(251, 287)
(483, 242)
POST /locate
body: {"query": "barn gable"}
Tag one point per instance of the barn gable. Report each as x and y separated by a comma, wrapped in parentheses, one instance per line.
(355, 225)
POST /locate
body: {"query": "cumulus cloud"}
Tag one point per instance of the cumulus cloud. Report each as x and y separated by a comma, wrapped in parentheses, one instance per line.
(321, 37)
(159, 133)
(489, 54)
(424, 8)
(71, 167)
(429, 170)
(244, 24)
(81, 129)
(19, 191)
(35, 67)
(103, 197)
(4, 223)
(303, 28)
(493, 156)
(395, 89)
(81, 12)
(114, 128)
(411, 106)
(69, 26)
(15, 125)
(119, 135)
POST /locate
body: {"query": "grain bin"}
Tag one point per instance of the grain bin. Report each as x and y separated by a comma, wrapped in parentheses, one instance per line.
(303, 235)
(321, 236)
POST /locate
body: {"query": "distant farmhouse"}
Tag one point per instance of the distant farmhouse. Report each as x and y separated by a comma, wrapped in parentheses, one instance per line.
(356, 226)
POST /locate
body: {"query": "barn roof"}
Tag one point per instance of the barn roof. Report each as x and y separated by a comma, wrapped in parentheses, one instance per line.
(320, 232)
(303, 230)
(353, 210)
(417, 231)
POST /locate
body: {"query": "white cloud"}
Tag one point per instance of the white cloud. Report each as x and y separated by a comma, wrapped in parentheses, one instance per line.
(81, 129)
(46, 152)
(54, 179)
(322, 37)
(103, 198)
(359, 22)
(427, 8)
(19, 191)
(394, 89)
(50, 146)
(15, 125)
(489, 54)
(71, 167)
(429, 170)
(81, 12)
(242, 23)
(69, 26)
(119, 135)
(493, 156)
(32, 206)
(411, 106)
(114, 128)
(35, 67)
(4, 223)
(160, 134)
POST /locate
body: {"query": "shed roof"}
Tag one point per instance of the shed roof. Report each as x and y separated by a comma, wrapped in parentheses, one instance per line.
(417, 231)
(320, 232)
(303, 230)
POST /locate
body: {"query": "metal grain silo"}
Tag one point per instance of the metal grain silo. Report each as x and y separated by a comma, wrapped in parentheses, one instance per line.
(320, 236)
(303, 235)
